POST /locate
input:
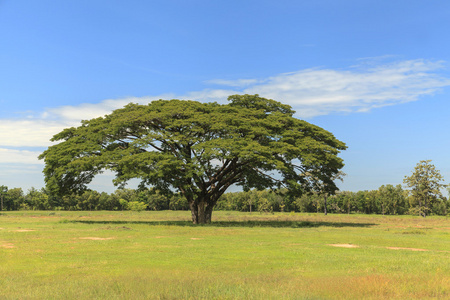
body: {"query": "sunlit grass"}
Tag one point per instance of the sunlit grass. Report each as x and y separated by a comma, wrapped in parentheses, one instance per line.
(159, 255)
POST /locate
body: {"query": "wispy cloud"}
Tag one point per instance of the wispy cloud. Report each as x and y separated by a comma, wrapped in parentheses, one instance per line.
(311, 92)
(34, 132)
(369, 85)
(315, 92)
(14, 156)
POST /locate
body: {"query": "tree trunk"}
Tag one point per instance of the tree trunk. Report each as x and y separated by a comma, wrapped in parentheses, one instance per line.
(208, 213)
(325, 204)
(421, 211)
(425, 208)
(194, 212)
(201, 216)
(201, 212)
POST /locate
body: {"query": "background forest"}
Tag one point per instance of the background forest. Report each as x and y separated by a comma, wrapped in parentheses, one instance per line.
(388, 199)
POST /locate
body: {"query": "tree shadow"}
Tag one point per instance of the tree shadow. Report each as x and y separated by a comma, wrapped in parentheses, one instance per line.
(274, 224)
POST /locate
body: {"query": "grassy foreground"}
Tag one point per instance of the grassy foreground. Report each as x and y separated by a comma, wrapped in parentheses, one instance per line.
(160, 255)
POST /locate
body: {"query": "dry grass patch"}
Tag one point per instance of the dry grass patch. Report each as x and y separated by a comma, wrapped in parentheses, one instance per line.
(96, 238)
(6, 245)
(410, 249)
(344, 245)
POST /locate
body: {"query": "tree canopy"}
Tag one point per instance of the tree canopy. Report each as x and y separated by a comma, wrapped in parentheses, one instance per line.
(425, 184)
(198, 149)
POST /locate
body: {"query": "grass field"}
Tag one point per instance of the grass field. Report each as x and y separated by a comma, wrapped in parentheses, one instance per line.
(160, 255)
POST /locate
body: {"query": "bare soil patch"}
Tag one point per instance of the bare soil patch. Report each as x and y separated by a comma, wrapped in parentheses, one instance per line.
(410, 249)
(24, 230)
(96, 238)
(6, 245)
(195, 239)
(344, 245)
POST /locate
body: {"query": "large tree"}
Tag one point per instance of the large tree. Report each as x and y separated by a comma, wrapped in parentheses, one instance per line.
(198, 149)
(425, 184)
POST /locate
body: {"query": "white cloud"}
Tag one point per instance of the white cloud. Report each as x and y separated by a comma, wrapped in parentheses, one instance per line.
(209, 95)
(86, 111)
(29, 132)
(310, 92)
(315, 92)
(13, 156)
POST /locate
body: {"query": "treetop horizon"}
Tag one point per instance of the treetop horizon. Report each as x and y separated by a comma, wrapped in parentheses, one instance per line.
(199, 149)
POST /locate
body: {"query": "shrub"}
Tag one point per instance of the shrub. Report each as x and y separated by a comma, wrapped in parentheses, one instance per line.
(137, 206)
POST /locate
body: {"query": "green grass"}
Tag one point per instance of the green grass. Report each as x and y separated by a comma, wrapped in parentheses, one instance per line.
(160, 255)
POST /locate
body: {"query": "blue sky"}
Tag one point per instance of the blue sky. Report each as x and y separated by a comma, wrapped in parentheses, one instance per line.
(374, 73)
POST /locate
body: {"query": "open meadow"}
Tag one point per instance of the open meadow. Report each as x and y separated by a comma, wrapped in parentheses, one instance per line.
(161, 255)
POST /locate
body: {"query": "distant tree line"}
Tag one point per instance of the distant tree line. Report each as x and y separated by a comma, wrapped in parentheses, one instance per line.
(387, 200)
(121, 199)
